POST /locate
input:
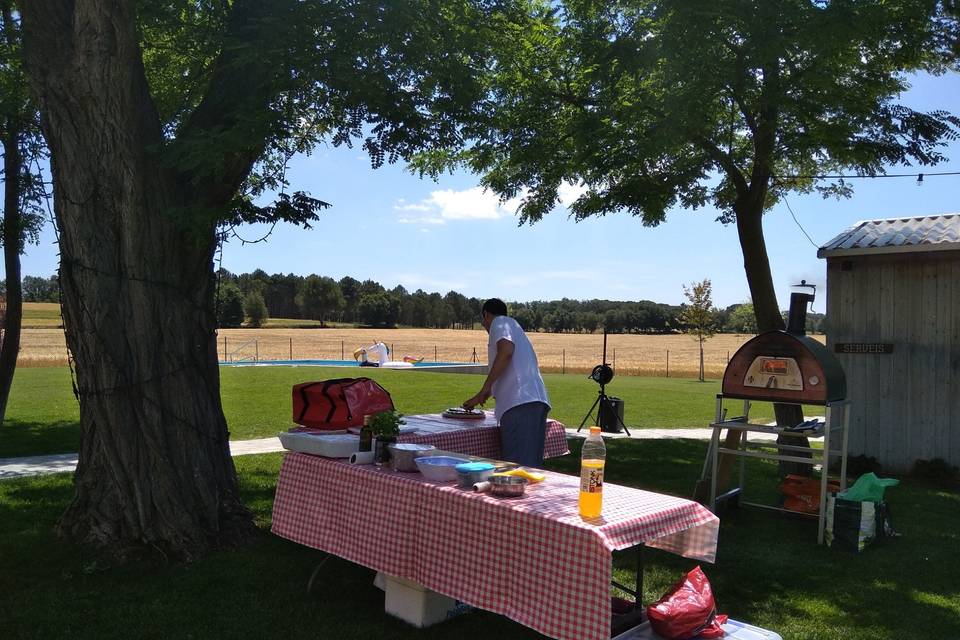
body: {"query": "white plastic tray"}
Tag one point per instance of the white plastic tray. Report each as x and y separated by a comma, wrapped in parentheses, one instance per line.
(734, 631)
(335, 445)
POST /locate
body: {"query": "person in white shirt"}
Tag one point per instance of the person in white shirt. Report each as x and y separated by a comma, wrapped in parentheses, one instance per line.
(515, 383)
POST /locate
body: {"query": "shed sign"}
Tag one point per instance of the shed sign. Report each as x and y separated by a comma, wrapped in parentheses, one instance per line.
(863, 347)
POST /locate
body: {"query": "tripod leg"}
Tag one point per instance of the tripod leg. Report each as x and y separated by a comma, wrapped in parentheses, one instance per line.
(620, 420)
(589, 413)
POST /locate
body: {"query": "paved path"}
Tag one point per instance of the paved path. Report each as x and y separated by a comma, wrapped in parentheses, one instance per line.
(60, 463)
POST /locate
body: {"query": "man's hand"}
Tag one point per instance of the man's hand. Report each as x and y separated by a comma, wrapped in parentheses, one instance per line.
(480, 398)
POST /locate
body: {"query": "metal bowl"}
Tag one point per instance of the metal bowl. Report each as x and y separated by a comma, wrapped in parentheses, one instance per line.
(507, 486)
(403, 455)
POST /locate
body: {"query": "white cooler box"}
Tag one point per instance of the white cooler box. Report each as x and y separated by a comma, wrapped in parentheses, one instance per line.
(332, 445)
(414, 603)
(734, 631)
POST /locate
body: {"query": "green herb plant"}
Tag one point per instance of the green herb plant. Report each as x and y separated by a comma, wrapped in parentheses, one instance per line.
(386, 424)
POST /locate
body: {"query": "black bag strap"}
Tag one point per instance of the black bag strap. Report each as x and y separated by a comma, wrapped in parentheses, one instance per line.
(339, 382)
(305, 399)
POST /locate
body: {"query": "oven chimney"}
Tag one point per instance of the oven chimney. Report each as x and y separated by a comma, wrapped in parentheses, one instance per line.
(797, 318)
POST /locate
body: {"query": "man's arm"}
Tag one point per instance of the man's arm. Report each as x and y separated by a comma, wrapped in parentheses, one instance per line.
(500, 363)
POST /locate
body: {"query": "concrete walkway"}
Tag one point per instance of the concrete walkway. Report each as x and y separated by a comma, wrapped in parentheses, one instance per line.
(64, 462)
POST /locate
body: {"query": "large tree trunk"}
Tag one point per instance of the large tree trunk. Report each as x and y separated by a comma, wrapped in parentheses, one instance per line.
(155, 467)
(756, 264)
(10, 347)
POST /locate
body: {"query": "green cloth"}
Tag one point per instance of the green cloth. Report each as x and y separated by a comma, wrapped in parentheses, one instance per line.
(868, 488)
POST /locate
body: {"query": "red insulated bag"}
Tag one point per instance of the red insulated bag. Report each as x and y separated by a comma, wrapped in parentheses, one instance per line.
(337, 404)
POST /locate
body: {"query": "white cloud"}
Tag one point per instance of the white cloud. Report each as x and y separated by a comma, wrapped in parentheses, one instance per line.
(421, 221)
(568, 193)
(475, 203)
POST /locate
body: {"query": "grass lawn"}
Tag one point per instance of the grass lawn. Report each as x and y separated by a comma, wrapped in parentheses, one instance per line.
(769, 571)
(43, 416)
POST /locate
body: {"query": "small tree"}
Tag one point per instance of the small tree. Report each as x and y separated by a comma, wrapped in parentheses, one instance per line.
(742, 319)
(255, 309)
(229, 306)
(697, 318)
(319, 298)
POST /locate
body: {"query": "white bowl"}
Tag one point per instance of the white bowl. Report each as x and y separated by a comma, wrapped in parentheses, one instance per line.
(439, 468)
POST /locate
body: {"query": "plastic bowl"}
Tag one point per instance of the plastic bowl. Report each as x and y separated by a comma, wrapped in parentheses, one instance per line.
(439, 468)
(507, 486)
(472, 472)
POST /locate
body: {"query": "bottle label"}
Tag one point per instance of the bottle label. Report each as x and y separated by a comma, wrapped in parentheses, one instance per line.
(591, 480)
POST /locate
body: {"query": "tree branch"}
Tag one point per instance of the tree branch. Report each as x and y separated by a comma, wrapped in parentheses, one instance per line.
(228, 130)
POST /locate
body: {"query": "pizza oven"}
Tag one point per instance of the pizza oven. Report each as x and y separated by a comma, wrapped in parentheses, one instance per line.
(786, 366)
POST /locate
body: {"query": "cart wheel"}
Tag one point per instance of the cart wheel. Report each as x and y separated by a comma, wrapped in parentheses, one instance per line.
(316, 571)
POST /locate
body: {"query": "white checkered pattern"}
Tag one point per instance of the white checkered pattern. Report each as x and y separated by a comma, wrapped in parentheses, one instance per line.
(475, 437)
(532, 559)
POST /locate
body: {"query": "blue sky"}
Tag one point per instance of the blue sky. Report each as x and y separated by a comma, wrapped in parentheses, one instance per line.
(395, 228)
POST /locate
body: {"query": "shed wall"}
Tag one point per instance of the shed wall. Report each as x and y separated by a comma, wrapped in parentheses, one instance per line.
(905, 405)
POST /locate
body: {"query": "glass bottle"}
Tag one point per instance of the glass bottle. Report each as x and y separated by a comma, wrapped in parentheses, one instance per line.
(366, 435)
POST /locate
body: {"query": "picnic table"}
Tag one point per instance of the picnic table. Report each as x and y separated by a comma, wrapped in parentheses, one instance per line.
(532, 559)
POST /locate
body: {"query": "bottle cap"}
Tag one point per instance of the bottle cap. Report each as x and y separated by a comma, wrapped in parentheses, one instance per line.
(594, 429)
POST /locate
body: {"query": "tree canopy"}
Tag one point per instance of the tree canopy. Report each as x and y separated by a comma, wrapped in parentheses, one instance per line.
(687, 103)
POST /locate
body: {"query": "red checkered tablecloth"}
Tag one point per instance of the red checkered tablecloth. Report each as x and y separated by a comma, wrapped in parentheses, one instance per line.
(532, 559)
(475, 437)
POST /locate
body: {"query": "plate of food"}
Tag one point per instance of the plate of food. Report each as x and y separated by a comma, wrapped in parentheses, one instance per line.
(459, 413)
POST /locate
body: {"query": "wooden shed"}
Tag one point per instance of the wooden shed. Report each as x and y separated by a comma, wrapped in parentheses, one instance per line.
(893, 319)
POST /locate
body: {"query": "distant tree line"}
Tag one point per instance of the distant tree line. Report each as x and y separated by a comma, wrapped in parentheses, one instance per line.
(252, 298)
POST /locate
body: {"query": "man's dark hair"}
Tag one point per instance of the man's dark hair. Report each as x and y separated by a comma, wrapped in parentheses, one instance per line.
(495, 306)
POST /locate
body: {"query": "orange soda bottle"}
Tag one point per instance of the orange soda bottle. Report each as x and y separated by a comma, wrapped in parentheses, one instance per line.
(592, 458)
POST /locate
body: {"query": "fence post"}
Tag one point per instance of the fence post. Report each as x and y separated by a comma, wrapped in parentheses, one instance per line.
(614, 359)
(668, 363)
(291, 348)
(256, 352)
(341, 350)
(392, 351)
(435, 354)
(728, 357)
(563, 362)
(224, 348)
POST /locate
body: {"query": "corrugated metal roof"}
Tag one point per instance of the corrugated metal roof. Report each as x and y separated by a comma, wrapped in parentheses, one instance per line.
(901, 235)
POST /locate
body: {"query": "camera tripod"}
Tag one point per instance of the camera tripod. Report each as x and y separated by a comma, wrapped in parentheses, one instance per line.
(602, 374)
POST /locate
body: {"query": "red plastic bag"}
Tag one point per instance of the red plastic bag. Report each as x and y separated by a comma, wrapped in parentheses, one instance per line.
(687, 610)
(337, 404)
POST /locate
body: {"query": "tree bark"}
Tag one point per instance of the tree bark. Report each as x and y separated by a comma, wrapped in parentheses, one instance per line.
(756, 264)
(10, 347)
(137, 295)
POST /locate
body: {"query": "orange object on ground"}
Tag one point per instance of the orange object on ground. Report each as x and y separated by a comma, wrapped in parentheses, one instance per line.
(803, 493)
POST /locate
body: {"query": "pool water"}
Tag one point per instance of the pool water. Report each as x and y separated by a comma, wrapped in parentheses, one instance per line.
(331, 363)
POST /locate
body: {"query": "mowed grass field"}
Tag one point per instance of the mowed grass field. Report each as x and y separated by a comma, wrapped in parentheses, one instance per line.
(43, 416)
(675, 355)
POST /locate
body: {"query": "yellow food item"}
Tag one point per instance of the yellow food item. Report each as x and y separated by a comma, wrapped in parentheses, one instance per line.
(532, 476)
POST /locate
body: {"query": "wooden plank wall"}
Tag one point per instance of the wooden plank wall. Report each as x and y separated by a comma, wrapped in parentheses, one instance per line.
(906, 405)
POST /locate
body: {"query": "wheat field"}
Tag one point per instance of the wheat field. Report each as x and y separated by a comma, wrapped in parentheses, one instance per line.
(645, 355)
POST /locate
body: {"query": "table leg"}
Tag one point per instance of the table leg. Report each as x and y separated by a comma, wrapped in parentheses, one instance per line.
(316, 572)
(622, 622)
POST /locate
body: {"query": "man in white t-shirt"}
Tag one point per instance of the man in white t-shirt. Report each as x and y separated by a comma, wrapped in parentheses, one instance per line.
(514, 381)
